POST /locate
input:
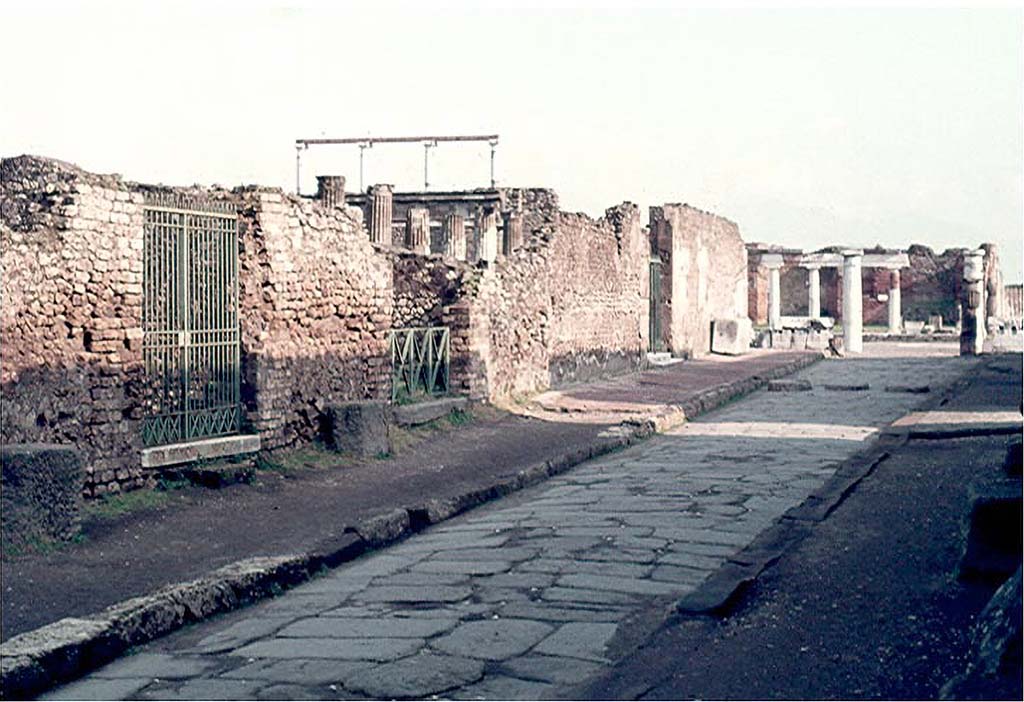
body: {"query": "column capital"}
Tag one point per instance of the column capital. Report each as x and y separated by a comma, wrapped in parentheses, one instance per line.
(772, 260)
(853, 253)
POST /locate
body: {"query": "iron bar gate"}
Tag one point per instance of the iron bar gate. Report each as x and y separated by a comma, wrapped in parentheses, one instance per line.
(190, 344)
(419, 362)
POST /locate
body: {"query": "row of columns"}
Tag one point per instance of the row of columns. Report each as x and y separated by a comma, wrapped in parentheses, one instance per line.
(852, 300)
(331, 192)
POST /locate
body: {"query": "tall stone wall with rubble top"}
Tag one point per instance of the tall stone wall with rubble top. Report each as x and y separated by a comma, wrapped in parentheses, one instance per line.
(704, 275)
(569, 305)
(70, 323)
(316, 304)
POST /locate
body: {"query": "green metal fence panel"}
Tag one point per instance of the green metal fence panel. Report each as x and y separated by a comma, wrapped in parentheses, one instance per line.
(190, 322)
(419, 362)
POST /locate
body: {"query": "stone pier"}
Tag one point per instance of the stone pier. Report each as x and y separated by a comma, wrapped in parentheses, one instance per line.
(814, 292)
(972, 330)
(895, 309)
(380, 214)
(853, 303)
(486, 235)
(773, 262)
(455, 236)
(513, 238)
(417, 230)
(330, 190)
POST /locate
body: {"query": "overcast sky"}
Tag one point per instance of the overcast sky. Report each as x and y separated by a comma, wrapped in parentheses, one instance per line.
(806, 126)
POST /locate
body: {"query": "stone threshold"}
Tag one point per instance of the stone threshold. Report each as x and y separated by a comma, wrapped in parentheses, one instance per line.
(203, 449)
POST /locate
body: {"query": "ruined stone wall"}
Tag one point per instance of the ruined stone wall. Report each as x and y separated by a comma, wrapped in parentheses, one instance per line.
(70, 323)
(316, 304)
(570, 304)
(599, 295)
(424, 288)
(705, 275)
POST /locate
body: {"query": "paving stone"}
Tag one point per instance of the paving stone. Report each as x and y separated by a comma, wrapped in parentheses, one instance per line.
(541, 565)
(468, 567)
(718, 550)
(203, 689)
(93, 688)
(550, 669)
(492, 639)
(293, 604)
(156, 665)
(501, 595)
(284, 691)
(417, 677)
(618, 555)
(500, 687)
(634, 586)
(523, 581)
(338, 584)
(624, 570)
(353, 611)
(504, 553)
(685, 578)
(575, 594)
(338, 627)
(302, 672)
(340, 649)
(578, 640)
(411, 593)
(564, 612)
(420, 578)
(690, 560)
(241, 633)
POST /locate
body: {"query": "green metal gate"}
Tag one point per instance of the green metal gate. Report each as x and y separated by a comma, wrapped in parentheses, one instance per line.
(655, 342)
(419, 362)
(190, 343)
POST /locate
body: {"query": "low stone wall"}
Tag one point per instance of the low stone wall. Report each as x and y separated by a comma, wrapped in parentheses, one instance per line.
(40, 493)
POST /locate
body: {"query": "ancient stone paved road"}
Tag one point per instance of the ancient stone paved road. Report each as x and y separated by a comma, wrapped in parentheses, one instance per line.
(522, 596)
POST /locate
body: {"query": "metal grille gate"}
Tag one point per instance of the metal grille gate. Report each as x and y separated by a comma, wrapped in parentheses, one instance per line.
(190, 344)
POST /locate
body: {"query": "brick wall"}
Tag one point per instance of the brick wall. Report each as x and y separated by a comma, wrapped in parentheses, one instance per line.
(70, 326)
(316, 304)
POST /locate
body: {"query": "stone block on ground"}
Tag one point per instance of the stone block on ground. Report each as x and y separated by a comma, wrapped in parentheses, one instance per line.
(361, 428)
(40, 493)
(731, 336)
(789, 386)
(423, 412)
(818, 340)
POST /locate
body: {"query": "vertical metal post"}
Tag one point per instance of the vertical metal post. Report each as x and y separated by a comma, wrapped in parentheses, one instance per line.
(426, 162)
(363, 147)
(494, 145)
(298, 169)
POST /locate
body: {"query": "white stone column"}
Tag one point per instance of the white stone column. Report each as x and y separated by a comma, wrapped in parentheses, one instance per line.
(814, 292)
(380, 214)
(972, 331)
(486, 226)
(853, 302)
(455, 236)
(773, 262)
(417, 230)
(895, 309)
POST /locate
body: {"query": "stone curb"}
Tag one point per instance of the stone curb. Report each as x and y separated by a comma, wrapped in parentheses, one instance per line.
(717, 595)
(37, 660)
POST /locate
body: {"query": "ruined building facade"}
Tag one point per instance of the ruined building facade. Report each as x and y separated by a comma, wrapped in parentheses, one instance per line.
(532, 297)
